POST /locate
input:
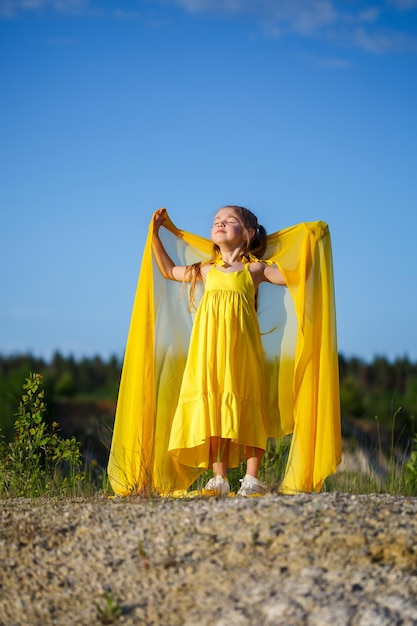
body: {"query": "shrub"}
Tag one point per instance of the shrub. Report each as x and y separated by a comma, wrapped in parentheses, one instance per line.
(38, 460)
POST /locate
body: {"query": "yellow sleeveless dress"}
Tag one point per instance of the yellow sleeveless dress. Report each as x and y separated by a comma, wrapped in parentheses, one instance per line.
(223, 391)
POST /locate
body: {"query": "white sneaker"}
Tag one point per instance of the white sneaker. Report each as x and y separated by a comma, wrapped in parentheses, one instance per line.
(219, 484)
(251, 486)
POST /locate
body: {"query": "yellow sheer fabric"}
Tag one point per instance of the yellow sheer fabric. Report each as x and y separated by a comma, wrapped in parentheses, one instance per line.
(299, 338)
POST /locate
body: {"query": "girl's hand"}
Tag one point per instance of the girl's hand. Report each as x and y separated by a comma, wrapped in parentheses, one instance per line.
(159, 219)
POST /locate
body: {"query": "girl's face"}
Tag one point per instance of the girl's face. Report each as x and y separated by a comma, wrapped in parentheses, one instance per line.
(227, 227)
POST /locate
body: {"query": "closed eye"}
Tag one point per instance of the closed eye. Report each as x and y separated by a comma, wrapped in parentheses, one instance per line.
(231, 220)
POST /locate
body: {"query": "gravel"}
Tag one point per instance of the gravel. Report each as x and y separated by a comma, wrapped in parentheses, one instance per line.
(312, 559)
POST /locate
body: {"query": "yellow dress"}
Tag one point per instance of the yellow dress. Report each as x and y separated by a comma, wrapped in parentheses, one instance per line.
(223, 391)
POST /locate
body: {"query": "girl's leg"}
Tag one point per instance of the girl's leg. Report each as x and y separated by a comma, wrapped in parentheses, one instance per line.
(219, 451)
(254, 459)
(251, 485)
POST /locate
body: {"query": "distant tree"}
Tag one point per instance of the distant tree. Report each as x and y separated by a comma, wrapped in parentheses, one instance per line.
(411, 396)
(65, 385)
(351, 398)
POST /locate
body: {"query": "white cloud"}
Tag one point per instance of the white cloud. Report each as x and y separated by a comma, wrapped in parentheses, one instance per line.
(304, 16)
(122, 14)
(335, 63)
(383, 41)
(369, 15)
(223, 6)
(314, 17)
(348, 26)
(13, 8)
(404, 5)
(328, 62)
(343, 24)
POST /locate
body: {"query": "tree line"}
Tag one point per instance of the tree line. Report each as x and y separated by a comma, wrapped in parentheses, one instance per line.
(379, 389)
(64, 378)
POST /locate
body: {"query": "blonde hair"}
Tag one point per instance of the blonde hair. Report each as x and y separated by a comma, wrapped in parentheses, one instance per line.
(254, 246)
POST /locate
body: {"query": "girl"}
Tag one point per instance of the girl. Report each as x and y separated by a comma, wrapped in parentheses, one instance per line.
(205, 394)
(222, 402)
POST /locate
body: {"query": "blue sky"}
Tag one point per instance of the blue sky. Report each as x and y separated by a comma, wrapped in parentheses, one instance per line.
(299, 109)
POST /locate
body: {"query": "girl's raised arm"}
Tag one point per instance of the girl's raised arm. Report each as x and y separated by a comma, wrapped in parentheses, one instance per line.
(166, 265)
(273, 275)
(263, 272)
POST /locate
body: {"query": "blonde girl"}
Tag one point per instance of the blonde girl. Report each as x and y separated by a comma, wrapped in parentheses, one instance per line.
(221, 416)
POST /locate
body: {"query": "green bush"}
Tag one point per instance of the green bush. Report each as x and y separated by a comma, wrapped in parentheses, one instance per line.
(38, 461)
